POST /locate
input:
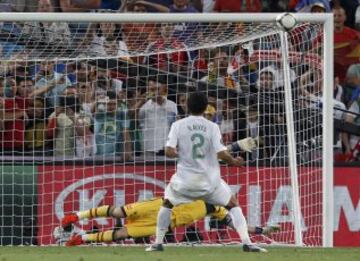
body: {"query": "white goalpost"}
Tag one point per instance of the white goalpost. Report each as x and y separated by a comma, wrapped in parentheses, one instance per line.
(87, 99)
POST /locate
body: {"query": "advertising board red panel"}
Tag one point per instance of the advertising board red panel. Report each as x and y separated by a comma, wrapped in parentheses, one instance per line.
(267, 194)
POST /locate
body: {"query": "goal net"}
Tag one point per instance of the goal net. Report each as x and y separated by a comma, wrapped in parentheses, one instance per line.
(86, 105)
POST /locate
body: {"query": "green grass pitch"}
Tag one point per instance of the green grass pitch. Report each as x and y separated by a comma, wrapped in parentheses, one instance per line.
(122, 253)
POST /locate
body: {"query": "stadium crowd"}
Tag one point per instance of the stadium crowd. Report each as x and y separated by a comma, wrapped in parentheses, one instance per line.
(102, 106)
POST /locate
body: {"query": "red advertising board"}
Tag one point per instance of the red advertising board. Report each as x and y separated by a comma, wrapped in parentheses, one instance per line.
(347, 206)
(265, 199)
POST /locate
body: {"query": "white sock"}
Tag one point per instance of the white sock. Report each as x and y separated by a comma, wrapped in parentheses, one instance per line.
(163, 223)
(240, 224)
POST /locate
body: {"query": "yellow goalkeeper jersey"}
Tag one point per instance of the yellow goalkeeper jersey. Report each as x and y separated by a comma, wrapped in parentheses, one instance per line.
(141, 216)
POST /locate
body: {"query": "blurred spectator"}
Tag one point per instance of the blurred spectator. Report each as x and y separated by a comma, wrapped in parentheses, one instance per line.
(218, 71)
(158, 5)
(18, 5)
(318, 7)
(11, 49)
(162, 2)
(357, 18)
(227, 127)
(198, 4)
(292, 4)
(86, 94)
(11, 66)
(200, 64)
(350, 7)
(146, 6)
(51, 83)
(62, 123)
(138, 36)
(110, 4)
(176, 61)
(84, 137)
(352, 142)
(238, 6)
(102, 85)
(24, 91)
(182, 6)
(112, 128)
(10, 87)
(183, 31)
(12, 119)
(79, 5)
(308, 5)
(210, 112)
(82, 71)
(278, 73)
(208, 6)
(352, 84)
(51, 34)
(338, 114)
(269, 107)
(135, 99)
(278, 5)
(311, 87)
(156, 117)
(181, 105)
(266, 81)
(338, 90)
(347, 46)
(36, 130)
(107, 40)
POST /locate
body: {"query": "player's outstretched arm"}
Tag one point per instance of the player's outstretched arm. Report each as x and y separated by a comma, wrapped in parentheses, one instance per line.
(227, 158)
(247, 145)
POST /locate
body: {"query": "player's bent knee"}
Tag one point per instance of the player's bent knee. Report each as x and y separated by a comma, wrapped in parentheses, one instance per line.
(167, 204)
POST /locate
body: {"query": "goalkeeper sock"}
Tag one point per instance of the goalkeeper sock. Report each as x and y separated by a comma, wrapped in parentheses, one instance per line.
(107, 236)
(103, 211)
(163, 223)
(240, 224)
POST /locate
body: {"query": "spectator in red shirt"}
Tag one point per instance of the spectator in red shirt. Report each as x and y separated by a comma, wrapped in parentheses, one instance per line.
(238, 6)
(24, 91)
(12, 127)
(176, 61)
(346, 42)
(343, 33)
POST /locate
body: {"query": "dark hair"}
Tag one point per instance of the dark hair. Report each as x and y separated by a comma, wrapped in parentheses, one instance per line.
(117, 32)
(23, 78)
(69, 102)
(111, 95)
(197, 103)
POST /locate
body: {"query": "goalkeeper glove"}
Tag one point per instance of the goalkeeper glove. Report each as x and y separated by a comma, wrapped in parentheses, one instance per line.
(247, 144)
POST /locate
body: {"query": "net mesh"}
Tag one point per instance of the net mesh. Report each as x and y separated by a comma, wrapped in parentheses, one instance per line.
(86, 109)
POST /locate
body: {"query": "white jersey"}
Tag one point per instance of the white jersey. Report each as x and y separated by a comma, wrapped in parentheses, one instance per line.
(198, 141)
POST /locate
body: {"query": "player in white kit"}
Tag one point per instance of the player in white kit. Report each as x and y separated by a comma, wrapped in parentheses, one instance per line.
(196, 143)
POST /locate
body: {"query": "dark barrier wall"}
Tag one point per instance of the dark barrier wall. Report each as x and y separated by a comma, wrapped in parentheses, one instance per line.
(18, 201)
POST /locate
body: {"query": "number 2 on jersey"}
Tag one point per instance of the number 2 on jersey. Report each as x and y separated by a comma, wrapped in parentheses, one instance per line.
(198, 141)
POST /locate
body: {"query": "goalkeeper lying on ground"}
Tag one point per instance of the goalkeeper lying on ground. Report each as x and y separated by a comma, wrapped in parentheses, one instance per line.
(141, 216)
(141, 220)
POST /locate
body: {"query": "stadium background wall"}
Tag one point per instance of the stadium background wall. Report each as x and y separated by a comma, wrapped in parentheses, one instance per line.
(30, 208)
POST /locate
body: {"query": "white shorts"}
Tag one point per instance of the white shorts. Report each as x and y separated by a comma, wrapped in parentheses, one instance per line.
(220, 196)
